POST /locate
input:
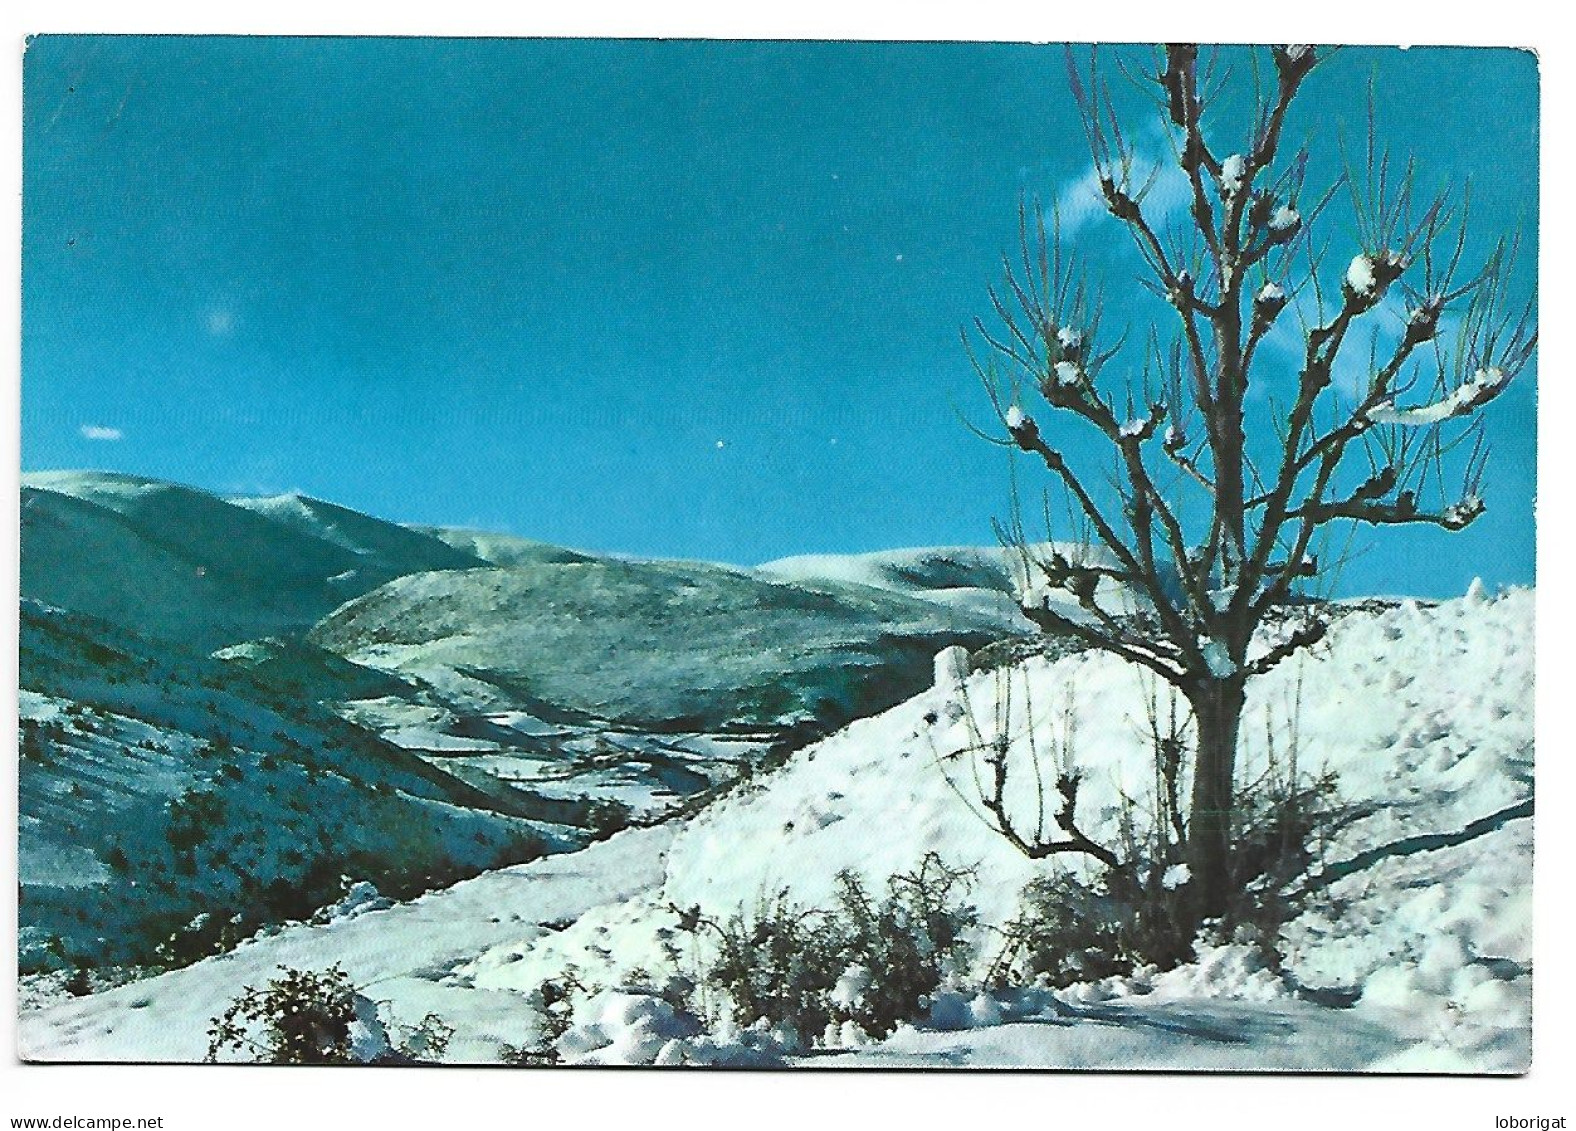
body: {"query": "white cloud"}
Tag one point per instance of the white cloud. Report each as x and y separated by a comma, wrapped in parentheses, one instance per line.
(100, 432)
(1080, 202)
(1286, 345)
(220, 322)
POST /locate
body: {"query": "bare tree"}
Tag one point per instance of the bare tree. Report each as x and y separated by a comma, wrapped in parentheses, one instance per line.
(1228, 465)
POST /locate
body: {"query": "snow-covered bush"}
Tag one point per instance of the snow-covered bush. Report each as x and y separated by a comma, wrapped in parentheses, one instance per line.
(422, 1043)
(620, 1026)
(862, 966)
(776, 964)
(320, 1017)
(300, 1017)
(1065, 932)
(903, 948)
(1133, 914)
(554, 1003)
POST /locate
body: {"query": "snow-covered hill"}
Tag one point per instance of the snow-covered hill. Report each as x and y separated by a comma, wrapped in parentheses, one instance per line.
(502, 549)
(1424, 713)
(197, 572)
(992, 581)
(162, 796)
(655, 645)
(1413, 953)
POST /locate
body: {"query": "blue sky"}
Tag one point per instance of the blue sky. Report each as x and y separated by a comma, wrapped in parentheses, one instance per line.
(688, 299)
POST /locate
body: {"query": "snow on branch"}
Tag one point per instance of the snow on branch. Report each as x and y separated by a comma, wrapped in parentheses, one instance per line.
(1369, 276)
(1285, 219)
(1482, 387)
(1305, 634)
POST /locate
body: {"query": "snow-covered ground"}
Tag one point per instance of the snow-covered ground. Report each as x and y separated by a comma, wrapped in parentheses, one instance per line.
(1414, 954)
(404, 954)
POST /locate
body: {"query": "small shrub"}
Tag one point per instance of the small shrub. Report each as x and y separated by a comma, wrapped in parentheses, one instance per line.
(79, 984)
(1284, 829)
(423, 1043)
(903, 948)
(192, 817)
(554, 1002)
(301, 1017)
(186, 942)
(866, 961)
(1070, 930)
(778, 965)
(606, 816)
(1065, 932)
(35, 745)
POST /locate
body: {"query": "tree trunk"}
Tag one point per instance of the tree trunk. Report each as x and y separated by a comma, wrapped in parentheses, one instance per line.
(1217, 713)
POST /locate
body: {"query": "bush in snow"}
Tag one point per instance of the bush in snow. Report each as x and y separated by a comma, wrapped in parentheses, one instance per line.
(863, 965)
(319, 1017)
(554, 1002)
(423, 1043)
(1283, 827)
(80, 983)
(1065, 932)
(1134, 913)
(903, 948)
(775, 966)
(620, 1026)
(606, 816)
(193, 818)
(301, 1017)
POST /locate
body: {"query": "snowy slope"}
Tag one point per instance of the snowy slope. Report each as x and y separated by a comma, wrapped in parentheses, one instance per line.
(404, 954)
(1424, 920)
(155, 789)
(674, 645)
(1424, 713)
(583, 677)
(987, 580)
(385, 548)
(911, 570)
(165, 661)
(502, 549)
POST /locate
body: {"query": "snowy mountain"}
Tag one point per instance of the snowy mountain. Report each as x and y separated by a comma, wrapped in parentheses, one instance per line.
(1411, 952)
(655, 645)
(502, 549)
(198, 572)
(989, 581)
